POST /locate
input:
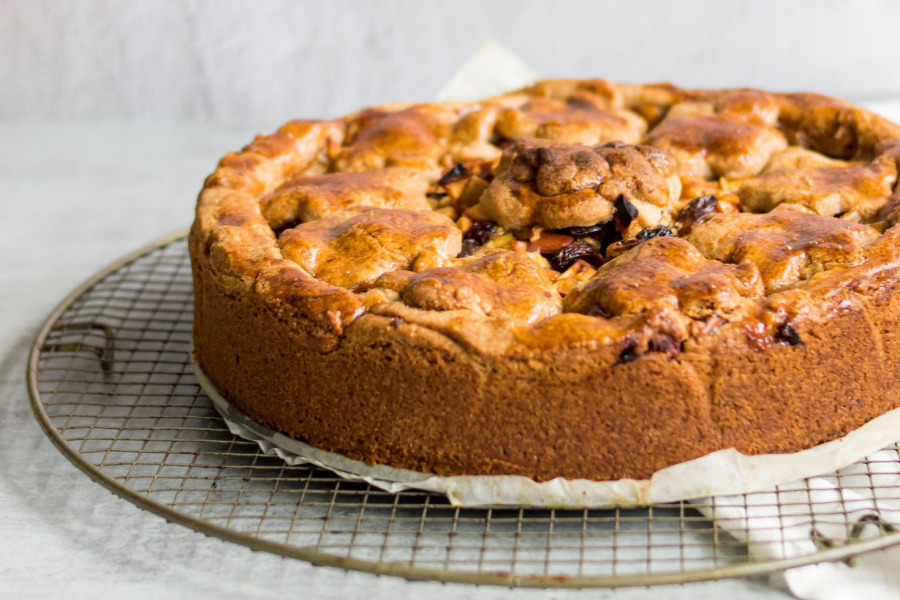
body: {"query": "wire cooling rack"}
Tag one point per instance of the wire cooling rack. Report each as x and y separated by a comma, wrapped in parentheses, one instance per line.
(111, 384)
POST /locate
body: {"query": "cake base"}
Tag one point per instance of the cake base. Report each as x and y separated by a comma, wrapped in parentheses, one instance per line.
(402, 394)
(720, 473)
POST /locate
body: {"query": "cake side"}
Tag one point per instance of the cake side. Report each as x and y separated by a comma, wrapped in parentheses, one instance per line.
(400, 394)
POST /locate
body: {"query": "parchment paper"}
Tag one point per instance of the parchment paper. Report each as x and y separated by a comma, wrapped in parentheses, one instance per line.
(492, 70)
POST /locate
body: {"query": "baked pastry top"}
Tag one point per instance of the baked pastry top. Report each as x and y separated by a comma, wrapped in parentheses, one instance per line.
(569, 218)
(689, 210)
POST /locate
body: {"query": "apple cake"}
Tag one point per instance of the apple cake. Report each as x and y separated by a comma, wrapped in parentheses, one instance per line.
(576, 279)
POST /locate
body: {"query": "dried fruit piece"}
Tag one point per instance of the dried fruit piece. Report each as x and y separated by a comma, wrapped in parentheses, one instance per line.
(589, 231)
(656, 231)
(476, 236)
(468, 248)
(664, 343)
(693, 211)
(628, 354)
(457, 173)
(577, 250)
(455, 180)
(481, 231)
(621, 246)
(626, 212)
(487, 175)
(788, 335)
(604, 233)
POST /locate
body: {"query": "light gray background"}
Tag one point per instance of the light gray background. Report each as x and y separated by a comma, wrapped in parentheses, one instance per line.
(262, 62)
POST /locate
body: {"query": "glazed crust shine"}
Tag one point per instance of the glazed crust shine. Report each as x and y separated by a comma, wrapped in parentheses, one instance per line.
(577, 279)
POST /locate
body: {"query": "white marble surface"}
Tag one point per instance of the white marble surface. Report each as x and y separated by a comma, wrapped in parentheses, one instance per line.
(74, 197)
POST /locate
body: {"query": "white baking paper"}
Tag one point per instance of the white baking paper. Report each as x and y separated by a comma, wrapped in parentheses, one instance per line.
(491, 71)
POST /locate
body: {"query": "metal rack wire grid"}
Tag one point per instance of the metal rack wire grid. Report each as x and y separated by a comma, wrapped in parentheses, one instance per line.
(111, 384)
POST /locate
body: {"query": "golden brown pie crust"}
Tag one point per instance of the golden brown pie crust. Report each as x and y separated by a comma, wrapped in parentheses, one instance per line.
(379, 285)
